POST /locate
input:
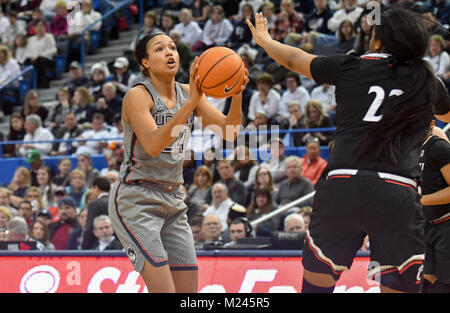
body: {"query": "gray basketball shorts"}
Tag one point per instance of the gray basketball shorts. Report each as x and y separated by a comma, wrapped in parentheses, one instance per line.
(152, 225)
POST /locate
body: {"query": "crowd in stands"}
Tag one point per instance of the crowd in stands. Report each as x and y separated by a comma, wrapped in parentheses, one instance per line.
(66, 207)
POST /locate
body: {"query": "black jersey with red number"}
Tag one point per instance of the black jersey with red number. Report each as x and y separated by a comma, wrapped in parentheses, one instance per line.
(362, 83)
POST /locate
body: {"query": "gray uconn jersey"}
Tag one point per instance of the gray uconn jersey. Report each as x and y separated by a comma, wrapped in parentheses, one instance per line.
(167, 167)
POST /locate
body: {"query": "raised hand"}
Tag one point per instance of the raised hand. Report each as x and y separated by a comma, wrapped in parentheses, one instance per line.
(260, 31)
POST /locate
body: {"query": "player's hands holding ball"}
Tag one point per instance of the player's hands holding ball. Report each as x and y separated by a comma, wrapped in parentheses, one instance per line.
(195, 92)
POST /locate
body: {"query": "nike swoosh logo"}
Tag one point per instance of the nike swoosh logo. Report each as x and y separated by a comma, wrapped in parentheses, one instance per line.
(227, 90)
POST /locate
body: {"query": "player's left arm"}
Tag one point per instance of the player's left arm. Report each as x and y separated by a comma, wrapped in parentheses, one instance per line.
(442, 196)
(225, 126)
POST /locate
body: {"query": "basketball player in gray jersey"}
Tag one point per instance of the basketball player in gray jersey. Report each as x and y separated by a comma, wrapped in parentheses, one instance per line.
(146, 205)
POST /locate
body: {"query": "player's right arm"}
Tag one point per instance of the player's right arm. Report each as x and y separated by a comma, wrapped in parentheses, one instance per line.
(136, 108)
(292, 58)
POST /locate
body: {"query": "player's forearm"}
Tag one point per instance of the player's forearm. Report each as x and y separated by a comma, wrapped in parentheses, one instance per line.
(292, 58)
(159, 139)
(437, 198)
(233, 119)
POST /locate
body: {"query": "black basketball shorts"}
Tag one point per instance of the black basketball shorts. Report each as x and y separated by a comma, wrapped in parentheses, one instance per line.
(437, 253)
(350, 204)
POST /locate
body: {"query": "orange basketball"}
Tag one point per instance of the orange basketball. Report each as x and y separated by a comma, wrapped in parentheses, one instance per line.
(221, 72)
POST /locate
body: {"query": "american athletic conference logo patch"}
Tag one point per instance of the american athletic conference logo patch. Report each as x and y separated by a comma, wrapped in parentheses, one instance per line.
(131, 254)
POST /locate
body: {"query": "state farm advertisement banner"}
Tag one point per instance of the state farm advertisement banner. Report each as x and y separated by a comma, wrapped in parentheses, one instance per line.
(116, 274)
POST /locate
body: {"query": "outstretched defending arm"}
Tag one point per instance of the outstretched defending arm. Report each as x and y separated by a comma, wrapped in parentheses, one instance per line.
(292, 58)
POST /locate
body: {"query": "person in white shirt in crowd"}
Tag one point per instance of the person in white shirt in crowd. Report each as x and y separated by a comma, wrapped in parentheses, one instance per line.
(105, 235)
(221, 204)
(3, 24)
(123, 77)
(8, 66)
(325, 94)
(79, 21)
(14, 28)
(48, 8)
(217, 29)
(266, 97)
(189, 29)
(40, 51)
(35, 132)
(438, 58)
(294, 92)
(83, 18)
(351, 11)
(98, 131)
(294, 223)
(19, 48)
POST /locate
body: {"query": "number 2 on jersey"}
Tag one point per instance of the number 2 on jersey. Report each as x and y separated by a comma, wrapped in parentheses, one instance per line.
(376, 103)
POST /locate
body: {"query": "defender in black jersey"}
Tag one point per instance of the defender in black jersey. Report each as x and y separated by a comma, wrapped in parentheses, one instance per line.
(435, 163)
(385, 102)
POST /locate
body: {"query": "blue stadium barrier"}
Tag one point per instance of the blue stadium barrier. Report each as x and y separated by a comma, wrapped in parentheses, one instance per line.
(95, 41)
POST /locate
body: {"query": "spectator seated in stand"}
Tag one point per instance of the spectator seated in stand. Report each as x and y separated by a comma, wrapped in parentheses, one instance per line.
(16, 132)
(39, 232)
(123, 76)
(35, 132)
(312, 163)
(98, 131)
(40, 51)
(265, 98)
(17, 229)
(77, 188)
(216, 31)
(77, 78)
(83, 100)
(9, 68)
(71, 130)
(287, 21)
(190, 31)
(81, 19)
(60, 231)
(110, 104)
(99, 75)
(262, 204)
(211, 232)
(15, 27)
(294, 223)
(315, 117)
(55, 120)
(346, 37)
(34, 106)
(236, 189)
(221, 203)
(239, 228)
(294, 92)
(295, 186)
(103, 231)
(241, 33)
(84, 163)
